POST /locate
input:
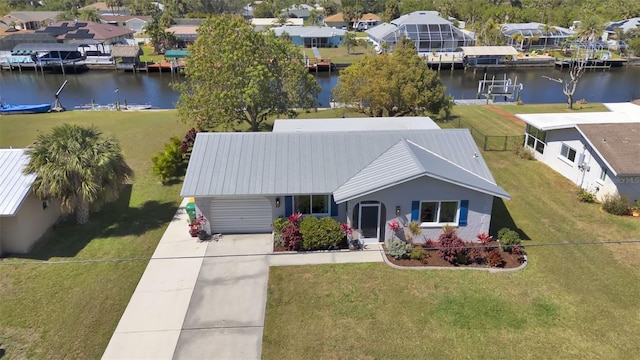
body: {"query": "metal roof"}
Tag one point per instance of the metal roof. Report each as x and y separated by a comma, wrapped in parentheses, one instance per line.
(410, 161)
(488, 50)
(14, 185)
(554, 121)
(309, 31)
(280, 163)
(421, 17)
(355, 124)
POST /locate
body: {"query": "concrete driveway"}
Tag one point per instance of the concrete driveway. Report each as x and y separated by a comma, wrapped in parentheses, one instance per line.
(225, 317)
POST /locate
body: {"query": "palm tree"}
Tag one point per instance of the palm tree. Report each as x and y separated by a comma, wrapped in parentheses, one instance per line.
(78, 166)
(89, 14)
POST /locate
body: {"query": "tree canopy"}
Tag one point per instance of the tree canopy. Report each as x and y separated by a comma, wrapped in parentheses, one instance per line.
(236, 75)
(395, 84)
(79, 166)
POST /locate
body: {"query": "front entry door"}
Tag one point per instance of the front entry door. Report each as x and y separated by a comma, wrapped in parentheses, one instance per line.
(369, 222)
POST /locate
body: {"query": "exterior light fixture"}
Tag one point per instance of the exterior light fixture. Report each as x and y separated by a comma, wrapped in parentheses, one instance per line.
(277, 202)
(398, 211)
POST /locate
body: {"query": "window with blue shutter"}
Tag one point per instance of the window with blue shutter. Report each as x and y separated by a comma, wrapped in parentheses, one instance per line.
(464, 212)
(415, 210)
(288, 205)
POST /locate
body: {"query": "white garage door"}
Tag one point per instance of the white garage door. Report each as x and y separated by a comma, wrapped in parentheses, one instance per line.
(240, 216)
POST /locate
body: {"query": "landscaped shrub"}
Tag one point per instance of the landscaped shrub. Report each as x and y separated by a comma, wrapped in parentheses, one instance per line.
(585, 196)
(416, 254)
(278, 226)
(451, 247)
(524, 152)
(616, 204)
(168, 163)
(291, 236)
(494, 258)
(508, 238)
(187, 142)
(414, 230)
(320, 233)
(398, 248)
(485, 239)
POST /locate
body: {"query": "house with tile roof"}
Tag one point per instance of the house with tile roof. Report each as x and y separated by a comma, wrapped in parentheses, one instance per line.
(243, 181)
(23, 217)
(135, 23)
(598, 151)
(30, 20)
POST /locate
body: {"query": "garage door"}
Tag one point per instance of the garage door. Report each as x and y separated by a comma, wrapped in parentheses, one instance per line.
(240, 216)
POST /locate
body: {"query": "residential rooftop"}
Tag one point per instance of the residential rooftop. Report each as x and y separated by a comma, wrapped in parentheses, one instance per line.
(620, 113)
(14, 185)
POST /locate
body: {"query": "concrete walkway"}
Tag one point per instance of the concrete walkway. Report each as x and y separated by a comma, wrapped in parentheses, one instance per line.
(206, 300)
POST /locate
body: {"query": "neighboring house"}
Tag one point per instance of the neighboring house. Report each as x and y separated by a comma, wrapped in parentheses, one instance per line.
(9, 42)
(313, 36)
(302, 11)
(186, 34)
(30, 20)
(23, 217)
(97, 37)
(534, 35)
(367, 21)
(135, 23)
(260, 24)
(243, 181)
(626, 25)
(600, 152)
(426, 29)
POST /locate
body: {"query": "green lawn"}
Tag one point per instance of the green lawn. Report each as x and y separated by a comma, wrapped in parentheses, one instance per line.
(340, 54)
(54, 311)
(148, 54)
(570, 302)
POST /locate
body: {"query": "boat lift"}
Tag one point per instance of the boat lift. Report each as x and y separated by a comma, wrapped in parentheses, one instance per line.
(57, 106)
(499, 87)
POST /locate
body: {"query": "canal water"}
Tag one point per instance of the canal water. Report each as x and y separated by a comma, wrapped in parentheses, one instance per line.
(107, 87)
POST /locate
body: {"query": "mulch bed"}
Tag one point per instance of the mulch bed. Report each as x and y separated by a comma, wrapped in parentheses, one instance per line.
(433, 259)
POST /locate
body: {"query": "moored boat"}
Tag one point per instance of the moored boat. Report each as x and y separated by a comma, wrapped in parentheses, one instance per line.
(10, 109)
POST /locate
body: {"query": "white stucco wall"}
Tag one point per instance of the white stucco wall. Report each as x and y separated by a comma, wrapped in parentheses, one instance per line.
(428, 189)
(587, 177)
(19, 233)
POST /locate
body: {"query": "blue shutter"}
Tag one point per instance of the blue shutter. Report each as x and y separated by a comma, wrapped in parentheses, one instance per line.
(415, 209)
(288, 205)
(464, 212)
(334, 207)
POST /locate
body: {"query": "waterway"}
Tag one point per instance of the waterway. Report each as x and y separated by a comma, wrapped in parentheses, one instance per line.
(107, 87)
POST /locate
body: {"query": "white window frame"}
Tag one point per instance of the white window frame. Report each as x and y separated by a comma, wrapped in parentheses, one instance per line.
(438, 223)
(565, 156)
(603, 175)
(328, 202)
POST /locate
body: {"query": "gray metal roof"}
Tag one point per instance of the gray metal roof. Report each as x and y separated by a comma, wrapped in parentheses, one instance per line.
(321, 162)
(355, 124)
(410, 161)
(421, 17)
(14, 185)
(309, 31)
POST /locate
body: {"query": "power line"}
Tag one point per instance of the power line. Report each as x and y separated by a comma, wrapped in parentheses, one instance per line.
(292, 253)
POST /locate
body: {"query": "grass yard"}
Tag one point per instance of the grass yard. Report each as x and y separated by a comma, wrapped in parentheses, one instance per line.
(54, 311)
(570, 302)
(340, 54)
(148, 54)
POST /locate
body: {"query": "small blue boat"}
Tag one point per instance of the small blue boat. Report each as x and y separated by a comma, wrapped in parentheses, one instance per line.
(10, 109)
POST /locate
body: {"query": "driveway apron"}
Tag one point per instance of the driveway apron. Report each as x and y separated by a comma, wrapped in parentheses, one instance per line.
(225, 317)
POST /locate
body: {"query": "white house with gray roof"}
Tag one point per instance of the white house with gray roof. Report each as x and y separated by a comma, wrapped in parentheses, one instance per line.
(598, 151)
(23, 217)
(243, 181)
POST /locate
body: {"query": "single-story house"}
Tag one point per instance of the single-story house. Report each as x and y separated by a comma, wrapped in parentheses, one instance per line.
(30, 20)
(96, 37)
(302, 11)
(23, 217)
(598, 151)
(135, 23)
(243, 181)
(260, 24)
(186, 34)
(367, 20)
(427, 29)
(534, 35)
(312, 36)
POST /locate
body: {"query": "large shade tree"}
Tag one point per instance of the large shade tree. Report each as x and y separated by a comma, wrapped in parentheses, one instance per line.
(79, 166)
(396, 84)
(236, 75)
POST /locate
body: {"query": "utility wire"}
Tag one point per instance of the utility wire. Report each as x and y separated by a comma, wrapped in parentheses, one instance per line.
(292, 253)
